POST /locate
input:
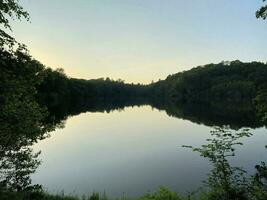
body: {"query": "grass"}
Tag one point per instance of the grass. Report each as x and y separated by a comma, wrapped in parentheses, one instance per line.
(160, 194)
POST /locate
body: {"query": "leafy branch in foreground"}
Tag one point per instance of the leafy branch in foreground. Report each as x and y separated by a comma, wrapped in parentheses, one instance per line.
(224, 181)
(262, 12)
(10, 9)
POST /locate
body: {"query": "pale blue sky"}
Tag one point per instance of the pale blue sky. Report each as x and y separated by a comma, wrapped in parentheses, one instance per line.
(141, 40)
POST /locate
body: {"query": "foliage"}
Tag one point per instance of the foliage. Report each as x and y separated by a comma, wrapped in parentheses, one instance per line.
(57, 89)
(261, 104)
(16, 168)
(22, 120)
(162, 194)
(226, 182)
(20, 113)
(10, 9)
(259, 182)
(226, 81)
(21, 117)
(262, 12)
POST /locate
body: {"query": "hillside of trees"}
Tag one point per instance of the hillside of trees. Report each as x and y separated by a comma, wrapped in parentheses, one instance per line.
(226, 81)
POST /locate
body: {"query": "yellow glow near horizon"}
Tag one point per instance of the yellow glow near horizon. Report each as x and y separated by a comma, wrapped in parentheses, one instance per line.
(140, 41)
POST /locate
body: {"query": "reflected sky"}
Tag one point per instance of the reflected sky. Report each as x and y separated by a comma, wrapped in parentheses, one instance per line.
(131, 152)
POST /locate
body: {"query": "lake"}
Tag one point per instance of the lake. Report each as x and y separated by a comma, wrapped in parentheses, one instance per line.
(135, 149)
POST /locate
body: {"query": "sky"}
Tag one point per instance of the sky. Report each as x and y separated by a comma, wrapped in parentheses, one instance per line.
(140, 40)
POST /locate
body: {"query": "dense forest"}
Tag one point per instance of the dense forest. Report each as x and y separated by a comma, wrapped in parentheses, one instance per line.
(224, 83)
(56, 88)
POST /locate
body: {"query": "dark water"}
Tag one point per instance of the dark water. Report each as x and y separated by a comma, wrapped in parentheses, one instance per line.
(133, 149)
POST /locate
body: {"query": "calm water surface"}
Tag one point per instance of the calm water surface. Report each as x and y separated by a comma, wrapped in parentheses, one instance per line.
(131, 151)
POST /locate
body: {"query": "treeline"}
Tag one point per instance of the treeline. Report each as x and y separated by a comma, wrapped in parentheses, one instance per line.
(56, 88)
(226, 81)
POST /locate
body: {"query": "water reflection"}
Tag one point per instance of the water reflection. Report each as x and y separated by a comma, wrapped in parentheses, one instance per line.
(24, 127)
(234, 114)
